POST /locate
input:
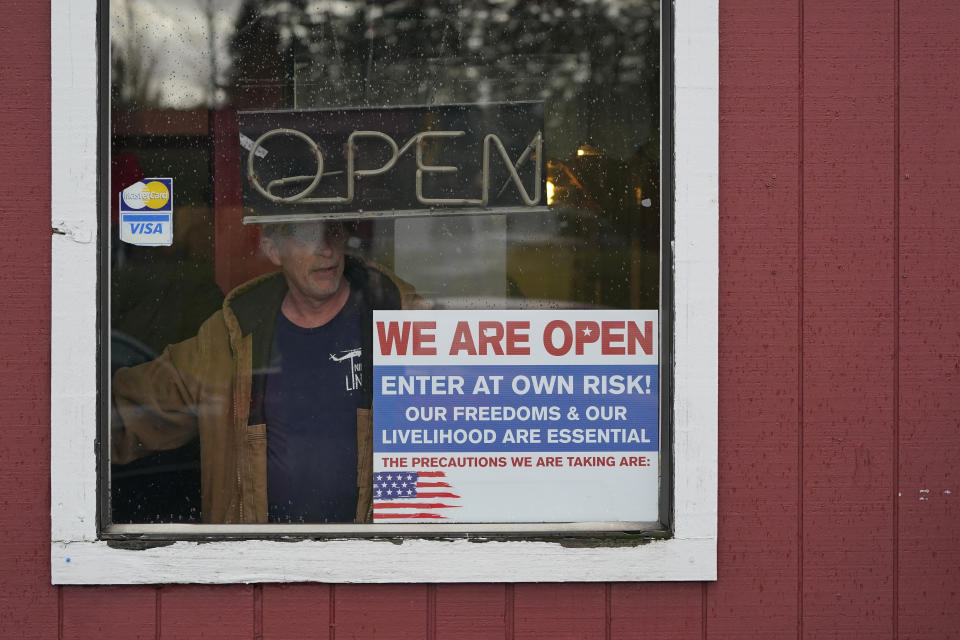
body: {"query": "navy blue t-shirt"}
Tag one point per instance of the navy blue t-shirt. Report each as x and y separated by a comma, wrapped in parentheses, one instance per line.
(313, 390)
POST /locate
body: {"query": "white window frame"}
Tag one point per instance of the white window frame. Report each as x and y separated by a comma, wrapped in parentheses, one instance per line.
(78, 557)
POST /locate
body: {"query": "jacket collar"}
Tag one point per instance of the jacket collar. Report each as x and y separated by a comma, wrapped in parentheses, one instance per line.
(247, 306)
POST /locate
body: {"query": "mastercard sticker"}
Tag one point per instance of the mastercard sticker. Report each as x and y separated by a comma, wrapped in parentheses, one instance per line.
(146, 213)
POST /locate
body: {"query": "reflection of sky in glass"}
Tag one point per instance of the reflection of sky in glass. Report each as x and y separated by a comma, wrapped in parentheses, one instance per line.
(173, 35)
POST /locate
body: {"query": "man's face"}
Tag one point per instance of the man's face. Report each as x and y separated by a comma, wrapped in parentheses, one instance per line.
(311, 257)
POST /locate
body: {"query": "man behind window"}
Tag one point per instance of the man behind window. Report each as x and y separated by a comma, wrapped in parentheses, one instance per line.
(277, 384)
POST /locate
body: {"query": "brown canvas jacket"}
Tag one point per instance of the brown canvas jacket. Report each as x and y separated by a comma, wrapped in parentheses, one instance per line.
(211, 386)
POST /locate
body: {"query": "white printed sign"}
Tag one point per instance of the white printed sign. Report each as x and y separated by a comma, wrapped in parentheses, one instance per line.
(516, 416)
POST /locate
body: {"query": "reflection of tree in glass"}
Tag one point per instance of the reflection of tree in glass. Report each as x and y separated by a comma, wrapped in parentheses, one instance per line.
(595, 63)
(259, 69)
(133, 82)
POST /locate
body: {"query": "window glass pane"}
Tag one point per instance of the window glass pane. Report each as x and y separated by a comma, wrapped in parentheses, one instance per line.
(242, 411)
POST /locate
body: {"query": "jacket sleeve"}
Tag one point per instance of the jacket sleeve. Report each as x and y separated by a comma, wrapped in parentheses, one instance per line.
(154, 405)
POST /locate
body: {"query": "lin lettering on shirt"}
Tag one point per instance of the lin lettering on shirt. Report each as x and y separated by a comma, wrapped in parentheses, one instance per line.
(351, 359)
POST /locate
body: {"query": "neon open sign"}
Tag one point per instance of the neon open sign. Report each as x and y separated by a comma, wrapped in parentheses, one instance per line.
(419, 141)
(389, 162)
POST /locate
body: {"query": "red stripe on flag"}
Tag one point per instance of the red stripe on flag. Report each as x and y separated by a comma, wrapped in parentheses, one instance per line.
(414, 505)
(385, 516)
(437, 495)
(431, 474)
(433, 484)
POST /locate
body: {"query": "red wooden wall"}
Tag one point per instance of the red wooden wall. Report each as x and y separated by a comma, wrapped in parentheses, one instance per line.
(839, 366)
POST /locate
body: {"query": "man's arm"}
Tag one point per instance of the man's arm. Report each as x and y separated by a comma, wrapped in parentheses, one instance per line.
(154, 405)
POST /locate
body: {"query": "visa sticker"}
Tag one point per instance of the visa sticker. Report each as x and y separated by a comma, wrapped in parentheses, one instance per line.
(146, 213)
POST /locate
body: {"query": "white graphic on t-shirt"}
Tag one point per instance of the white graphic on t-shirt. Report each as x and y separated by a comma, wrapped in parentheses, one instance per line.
(353, 380)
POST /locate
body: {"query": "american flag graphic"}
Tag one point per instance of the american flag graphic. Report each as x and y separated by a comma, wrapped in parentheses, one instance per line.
(412, 494)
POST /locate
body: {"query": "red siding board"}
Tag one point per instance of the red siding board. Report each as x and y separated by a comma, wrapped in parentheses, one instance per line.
(666, 611)
(466, 611)
(848, 320)
(390, 612)
(559, 611)
(108, 613)
(759, 306)
(296, 611)
(929, 181)
(223, 612)
(28, 604)
(929, 578)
